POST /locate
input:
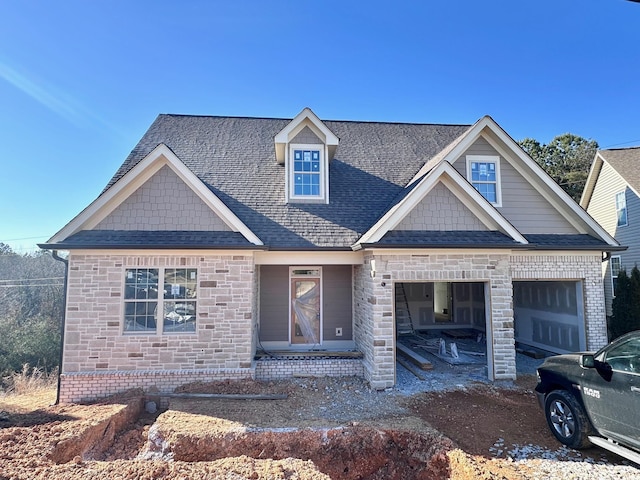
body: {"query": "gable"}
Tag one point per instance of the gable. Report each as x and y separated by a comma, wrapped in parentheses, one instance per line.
(126, 193)
(163, 202)
(522, 205)
(442, 175)
(306, 135)
(602, 204)
(440, 210)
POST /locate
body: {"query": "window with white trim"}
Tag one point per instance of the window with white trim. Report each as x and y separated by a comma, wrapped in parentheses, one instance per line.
(307, 172)
(621, 209)
(174, 312)
(483, 171)
(615, 270)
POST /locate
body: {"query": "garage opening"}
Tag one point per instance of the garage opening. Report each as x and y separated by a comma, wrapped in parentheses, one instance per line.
(441, 323)
(549, 316)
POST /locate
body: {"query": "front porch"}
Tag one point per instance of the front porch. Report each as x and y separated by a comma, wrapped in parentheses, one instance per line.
(277, 365)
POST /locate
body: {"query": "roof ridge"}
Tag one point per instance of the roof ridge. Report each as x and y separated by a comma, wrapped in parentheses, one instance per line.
(377, 122)
(622, 148)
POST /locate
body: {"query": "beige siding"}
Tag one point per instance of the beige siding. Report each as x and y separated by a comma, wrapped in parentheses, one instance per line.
(274, 303)
(440, 210)
(164, 202)
(602, 208)
(306, 136)
(522, 204)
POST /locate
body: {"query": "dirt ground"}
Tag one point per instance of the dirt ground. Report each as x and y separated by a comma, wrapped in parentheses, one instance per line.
(325, 428)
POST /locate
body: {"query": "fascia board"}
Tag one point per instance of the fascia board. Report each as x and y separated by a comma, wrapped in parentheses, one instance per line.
(562, 200)
(457, 184)
(134, 178)
(283, 136)
(469, 137)
(592, 178)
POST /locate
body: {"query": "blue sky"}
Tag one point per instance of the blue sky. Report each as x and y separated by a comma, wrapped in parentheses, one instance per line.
(81, 81)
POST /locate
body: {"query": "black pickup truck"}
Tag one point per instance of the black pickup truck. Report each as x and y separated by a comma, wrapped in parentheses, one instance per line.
(594, 398)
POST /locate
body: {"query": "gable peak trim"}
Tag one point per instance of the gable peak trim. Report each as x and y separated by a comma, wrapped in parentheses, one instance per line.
(447, 175)
(306, 118)
(151, 164)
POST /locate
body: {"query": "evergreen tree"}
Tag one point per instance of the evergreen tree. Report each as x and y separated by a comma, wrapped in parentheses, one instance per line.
(626, 304)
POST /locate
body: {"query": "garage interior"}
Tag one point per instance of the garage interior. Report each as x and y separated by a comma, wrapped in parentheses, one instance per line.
(439, 323)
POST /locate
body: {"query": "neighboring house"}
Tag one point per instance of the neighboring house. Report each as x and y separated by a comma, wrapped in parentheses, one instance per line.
(221, 237)
(612, 197)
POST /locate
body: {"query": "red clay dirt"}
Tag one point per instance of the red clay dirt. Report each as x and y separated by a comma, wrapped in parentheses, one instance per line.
(252, 439)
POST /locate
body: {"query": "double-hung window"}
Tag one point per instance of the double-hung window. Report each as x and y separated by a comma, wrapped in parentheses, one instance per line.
(621, 209)
(173, 311)
(306, 172)
(483, 171)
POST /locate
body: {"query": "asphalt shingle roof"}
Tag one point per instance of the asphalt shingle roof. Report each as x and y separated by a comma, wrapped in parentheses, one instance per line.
(625, 161)
(155, 239)
(235, 158)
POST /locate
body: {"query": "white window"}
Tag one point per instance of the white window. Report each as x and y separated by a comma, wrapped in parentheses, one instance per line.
(307, 172)
(176, 307)
(621, 209)
(615, 270)
(483, 171)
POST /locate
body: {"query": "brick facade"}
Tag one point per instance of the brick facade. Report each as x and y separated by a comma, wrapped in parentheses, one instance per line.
(276, 369)
(374, 300)
(374, 290)
(586, 268)
(222, 345)
(100, 360)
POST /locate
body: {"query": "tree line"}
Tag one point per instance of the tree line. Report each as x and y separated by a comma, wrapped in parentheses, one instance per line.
(31, 299)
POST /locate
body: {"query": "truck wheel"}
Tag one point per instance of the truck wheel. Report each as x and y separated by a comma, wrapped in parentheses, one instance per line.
(567, 419)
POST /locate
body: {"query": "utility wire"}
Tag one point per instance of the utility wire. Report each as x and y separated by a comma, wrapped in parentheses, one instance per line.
(37, 285)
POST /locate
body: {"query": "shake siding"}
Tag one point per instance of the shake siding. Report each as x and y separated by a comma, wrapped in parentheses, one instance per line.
(274, 303)
(306, 136)
(440, 210)
(522, 205)
(164, 202)
(602, 207)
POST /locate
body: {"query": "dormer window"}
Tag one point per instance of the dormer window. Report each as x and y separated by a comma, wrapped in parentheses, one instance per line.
(483, 171)
(307, 173)
(306, 146)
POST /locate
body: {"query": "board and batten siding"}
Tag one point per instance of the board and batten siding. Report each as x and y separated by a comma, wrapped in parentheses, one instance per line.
(274, 302)
(602, 207)
(522, 204)
(337, 302)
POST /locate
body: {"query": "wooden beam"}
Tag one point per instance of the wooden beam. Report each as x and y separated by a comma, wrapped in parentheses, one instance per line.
(414, 357)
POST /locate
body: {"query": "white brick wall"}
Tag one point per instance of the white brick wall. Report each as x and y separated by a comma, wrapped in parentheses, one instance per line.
(276, 369)
(77, 387)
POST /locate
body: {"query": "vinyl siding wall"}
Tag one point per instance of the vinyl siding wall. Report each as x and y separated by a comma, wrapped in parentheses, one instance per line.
(602, 208)
(522, 204)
